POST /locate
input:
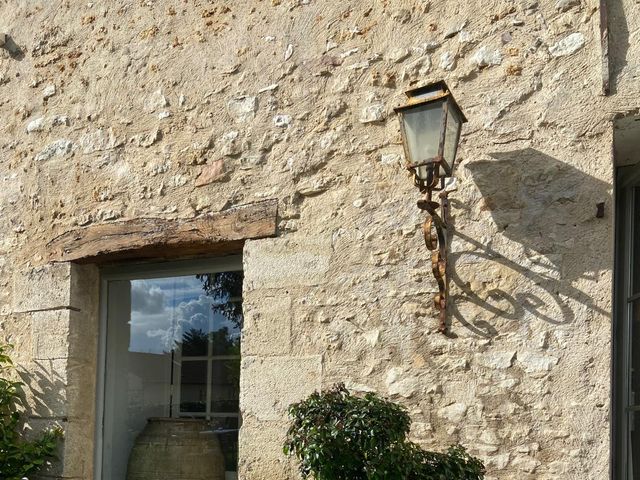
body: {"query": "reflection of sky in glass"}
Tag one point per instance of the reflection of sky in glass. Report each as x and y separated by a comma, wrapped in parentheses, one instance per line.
(163, 309)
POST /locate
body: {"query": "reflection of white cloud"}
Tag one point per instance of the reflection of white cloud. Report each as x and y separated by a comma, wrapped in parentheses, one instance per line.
(173, 306)
(146, 297)
(156, 333)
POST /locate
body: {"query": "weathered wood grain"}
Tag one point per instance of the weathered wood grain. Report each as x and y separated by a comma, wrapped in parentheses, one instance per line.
(218, 233)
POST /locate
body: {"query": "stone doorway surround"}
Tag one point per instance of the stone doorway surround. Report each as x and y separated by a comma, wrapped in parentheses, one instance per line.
(60, 303)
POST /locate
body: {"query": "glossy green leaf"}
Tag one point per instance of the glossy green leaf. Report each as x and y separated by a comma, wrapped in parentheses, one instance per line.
(339, 436)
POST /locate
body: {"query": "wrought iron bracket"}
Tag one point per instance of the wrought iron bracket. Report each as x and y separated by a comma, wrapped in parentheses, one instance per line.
(436, 238)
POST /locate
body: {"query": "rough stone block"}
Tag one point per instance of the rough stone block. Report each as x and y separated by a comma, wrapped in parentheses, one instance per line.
(46, 387)
(84, 331)
(261, 456)
(42, 288)
(278, 263)
(57, 285)
(498, 360)
(401, 383)
(50, 333)
(32, 429)
(60, 388)
(75, 450)
(81, 389)
(269, 385)
(454, 413)
(533, 362)
(63, 334)
(85, 289)
(267, 326)
(16, 330)
(79, 449)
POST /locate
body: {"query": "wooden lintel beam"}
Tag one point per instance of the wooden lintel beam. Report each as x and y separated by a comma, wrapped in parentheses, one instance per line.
(145, 238)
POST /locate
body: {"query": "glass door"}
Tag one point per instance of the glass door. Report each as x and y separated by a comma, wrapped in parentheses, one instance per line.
(171, 376)
(626, 354)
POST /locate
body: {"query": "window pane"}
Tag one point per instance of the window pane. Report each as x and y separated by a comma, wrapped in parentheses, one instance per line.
(213, 315)
(173, 350)
(422, 129)
(227, 430)
(171, 314)
(227, 319)
(634, 400)
(138, 376)
(225, 386)
(635, 354)
(451, 136)
(636, 242)
(193, 386)
(151, 318)
(222, 286)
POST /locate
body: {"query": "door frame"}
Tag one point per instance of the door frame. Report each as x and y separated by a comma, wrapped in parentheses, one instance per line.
(627, 178)
(139, 271)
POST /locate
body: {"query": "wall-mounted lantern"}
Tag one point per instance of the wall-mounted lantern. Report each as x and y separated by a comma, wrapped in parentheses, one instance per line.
(430, 123)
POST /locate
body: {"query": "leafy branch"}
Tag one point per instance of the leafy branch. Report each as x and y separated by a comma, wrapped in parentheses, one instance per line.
(19, 458)
(338, 436)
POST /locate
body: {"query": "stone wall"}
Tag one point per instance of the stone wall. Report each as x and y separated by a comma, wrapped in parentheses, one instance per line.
(117, 110)
(53, 327)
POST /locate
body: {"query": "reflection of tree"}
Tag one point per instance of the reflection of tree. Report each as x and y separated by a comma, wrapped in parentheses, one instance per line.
(195, 342)
(226, 290)
(224, 343)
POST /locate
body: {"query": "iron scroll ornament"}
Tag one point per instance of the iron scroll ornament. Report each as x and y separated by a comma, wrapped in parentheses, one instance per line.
(436, 235)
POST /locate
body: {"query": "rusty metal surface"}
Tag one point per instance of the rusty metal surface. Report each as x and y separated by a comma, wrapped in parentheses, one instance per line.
(433, 181)
(436, 240)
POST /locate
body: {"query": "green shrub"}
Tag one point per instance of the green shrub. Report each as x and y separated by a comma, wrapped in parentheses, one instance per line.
(19, 458)
(339, 436)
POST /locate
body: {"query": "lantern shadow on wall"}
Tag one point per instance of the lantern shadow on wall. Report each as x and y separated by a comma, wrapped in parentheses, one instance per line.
(544, 212)
(12, 47)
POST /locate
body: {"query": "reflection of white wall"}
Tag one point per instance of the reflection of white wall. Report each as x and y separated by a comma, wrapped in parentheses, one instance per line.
(137, 385)
(149, 384)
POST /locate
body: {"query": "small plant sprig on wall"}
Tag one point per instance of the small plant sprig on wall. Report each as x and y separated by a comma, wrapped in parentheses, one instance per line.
(19, 458)
(339, 436)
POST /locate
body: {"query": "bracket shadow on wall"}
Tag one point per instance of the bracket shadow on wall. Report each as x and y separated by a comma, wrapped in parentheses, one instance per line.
(221, 233)
(550, 209)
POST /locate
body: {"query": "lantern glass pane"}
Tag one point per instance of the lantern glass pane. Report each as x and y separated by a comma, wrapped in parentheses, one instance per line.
(422, 172)
(422, 126)
(452, 135)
